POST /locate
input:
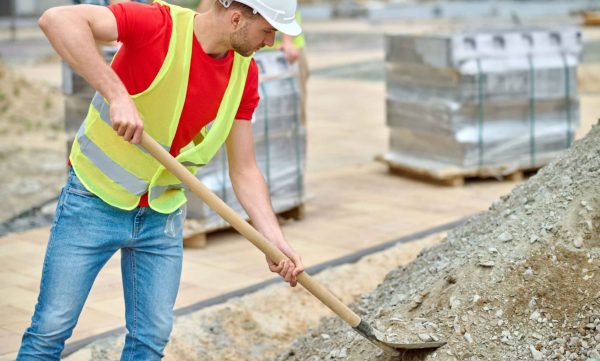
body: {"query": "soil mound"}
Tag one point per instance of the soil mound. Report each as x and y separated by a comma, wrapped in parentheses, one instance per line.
(518, 282)
(32, 143)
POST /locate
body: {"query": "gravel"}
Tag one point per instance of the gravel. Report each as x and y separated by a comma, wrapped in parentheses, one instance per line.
(520, 281)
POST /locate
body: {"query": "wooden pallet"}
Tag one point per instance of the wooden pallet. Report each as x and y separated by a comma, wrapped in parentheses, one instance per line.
(455, 176)
(195, 235)
(591, 18)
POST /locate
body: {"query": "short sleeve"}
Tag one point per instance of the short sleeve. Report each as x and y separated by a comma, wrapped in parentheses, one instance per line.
(250, 97)
(140, 24)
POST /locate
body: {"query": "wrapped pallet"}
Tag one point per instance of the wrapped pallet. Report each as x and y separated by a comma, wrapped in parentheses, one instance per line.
(280, 143)
(481, 103)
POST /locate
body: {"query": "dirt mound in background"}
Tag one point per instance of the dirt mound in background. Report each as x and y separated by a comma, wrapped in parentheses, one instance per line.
(32, 143)
(518, 282)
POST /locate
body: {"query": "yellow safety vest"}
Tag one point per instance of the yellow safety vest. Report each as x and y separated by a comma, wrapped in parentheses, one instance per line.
(119, 172)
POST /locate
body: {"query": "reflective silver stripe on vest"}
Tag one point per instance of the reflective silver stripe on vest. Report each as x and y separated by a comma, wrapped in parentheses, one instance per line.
(108, 166)
(103, 109)
(158, 191)
(192, 164)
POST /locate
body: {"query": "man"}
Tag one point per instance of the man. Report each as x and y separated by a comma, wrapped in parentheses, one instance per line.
(293, 49)
(175, 72)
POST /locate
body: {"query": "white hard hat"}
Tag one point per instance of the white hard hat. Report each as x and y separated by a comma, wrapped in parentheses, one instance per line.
(281, 14)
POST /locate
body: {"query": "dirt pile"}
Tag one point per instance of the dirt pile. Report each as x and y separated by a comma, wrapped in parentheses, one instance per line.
(32, 143)
(518, 282)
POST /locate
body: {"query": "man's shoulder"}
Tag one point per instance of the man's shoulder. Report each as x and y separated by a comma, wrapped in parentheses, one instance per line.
(142, 11)
(140, 23)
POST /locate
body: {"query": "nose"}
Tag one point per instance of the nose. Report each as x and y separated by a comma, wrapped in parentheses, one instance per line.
(270, 39)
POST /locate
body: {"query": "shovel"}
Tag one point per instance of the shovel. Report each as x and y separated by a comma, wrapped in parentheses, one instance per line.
(314, 287)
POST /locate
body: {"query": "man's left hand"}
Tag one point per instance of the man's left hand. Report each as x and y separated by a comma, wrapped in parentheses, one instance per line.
(289, 268)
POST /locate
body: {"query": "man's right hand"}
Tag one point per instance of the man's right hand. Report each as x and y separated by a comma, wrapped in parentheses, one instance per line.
(126, 120)
(73, 32)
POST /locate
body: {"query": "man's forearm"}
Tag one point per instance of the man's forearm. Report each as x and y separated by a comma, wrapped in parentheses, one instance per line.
(253, 194)
(70, 33)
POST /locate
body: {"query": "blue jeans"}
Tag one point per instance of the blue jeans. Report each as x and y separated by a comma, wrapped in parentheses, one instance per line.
(85, 233)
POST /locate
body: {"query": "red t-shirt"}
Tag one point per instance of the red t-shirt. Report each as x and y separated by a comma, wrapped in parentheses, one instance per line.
(145, 31)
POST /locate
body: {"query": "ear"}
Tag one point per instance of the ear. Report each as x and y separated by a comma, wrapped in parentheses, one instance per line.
(236, 19)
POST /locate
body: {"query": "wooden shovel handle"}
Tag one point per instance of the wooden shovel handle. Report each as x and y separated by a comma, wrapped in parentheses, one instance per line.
(237, 222)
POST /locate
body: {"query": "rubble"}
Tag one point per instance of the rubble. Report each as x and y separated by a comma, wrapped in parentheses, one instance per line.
(525, 279)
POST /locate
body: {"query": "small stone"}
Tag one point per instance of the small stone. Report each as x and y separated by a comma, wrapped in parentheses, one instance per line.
(578, 242)
(594, 356)
(454, 302)
(325, 336)
(505, 237)
(537, 336)
(528, 274)
(486, 264)
(535, 316)
(424, 337)
(566, 180)
(537, 356)
(468, 337)
(432, 325)
(584, 344)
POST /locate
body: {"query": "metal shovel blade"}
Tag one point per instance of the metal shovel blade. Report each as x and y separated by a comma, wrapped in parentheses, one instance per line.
(391, 348)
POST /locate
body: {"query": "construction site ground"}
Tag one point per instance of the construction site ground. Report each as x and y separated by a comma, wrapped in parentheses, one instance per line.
(353, 203)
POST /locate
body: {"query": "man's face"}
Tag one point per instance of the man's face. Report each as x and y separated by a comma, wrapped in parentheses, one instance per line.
(252, 35)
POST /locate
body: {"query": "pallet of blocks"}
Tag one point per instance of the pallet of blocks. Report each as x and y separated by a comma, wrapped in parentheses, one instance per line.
(484, 103)
(280, 144)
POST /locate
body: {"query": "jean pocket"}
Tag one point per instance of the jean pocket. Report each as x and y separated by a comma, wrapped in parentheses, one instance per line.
(174, 225)
(75, 186)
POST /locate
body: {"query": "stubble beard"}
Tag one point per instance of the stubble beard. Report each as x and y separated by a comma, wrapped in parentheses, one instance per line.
(240, 43)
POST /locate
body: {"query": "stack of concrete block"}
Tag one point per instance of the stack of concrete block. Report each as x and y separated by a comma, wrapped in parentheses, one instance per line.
(495, 100)
(280, 144)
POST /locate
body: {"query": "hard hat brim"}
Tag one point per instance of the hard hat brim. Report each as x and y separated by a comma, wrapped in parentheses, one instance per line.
(291, 29)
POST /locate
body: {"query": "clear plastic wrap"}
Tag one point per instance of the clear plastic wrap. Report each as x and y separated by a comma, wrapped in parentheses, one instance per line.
(505, 98)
